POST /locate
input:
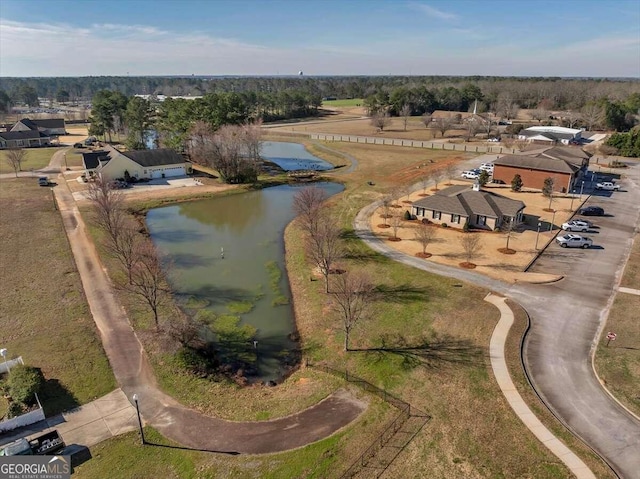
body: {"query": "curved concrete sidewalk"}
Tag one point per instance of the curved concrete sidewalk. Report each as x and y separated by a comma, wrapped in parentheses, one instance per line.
(519, 406)
(135, 375)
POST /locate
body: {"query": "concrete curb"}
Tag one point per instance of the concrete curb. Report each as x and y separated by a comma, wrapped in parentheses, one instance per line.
(522, 410)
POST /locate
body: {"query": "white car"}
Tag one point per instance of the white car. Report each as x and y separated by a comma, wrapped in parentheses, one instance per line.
(488, 167)
(576, 225)
(574, 241)
(494, 140)
(470, 175)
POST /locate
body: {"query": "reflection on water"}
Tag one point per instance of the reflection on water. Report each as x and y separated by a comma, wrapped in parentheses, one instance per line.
(250, 281)
(292, 156)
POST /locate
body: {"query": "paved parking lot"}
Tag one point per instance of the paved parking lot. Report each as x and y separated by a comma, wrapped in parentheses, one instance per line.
(567, 319)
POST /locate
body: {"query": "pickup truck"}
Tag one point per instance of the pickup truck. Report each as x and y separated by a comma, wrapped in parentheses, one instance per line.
(574, 241)
(607, 186)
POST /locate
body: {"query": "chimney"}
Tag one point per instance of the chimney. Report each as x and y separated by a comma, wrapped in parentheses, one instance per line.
(476, 186)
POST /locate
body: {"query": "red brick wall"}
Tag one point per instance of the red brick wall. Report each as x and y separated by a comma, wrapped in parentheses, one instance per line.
(532, 178)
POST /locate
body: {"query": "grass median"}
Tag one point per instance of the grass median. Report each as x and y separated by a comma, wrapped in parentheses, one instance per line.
(45, 317)
(618, 363)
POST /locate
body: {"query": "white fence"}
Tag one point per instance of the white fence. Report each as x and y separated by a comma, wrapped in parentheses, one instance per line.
(23, 420)
(413, 143)
(5, 366)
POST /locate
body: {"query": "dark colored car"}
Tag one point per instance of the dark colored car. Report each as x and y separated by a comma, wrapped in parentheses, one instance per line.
(592, 211)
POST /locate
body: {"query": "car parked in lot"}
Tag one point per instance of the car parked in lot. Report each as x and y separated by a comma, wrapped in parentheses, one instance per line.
(574, 241)
(471, 174)
(607, 186)
(576, 225)
(592, 211)
(43, 181)
(488, 167)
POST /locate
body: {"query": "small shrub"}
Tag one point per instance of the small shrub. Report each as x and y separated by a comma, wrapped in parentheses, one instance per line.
(516, 183)
(444, 225)
(24, 382)
(465, 227)
(407, 215)
(15, 409)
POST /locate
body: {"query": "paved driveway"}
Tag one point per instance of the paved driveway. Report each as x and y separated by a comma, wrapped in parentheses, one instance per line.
(567, 318)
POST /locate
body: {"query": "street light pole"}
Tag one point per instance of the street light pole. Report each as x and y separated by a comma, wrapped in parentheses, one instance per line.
(537, 235)
(135, 400)
(581, 188)
(553, 219)
(573, 196)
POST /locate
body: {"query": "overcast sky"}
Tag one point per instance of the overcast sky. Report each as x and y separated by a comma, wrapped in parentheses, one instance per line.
(359, 37)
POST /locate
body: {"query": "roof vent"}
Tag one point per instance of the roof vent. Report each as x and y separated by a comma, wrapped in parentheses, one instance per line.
(476, 186)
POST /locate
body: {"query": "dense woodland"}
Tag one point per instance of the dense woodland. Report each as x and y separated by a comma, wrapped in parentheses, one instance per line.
(612, 104)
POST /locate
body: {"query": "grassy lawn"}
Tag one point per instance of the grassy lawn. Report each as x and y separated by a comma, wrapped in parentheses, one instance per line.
(45, 318)
(343, 103)
(36, 158)
(618, 365)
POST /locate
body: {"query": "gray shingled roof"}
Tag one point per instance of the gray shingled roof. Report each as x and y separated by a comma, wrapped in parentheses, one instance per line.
(537, 162)
(22, 135)
(91, 159)
(50, 123)
(547, 134)
(461, 200)
(159, 157)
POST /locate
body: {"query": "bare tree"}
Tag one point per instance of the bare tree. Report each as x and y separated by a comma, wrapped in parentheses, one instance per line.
(471, 245)
(380, 120)
(386, 208)
(325, 247)
(125, 247)
(307, 205)
(443, 125)
(424, 234)
(108, 208)
(436, 176)
(593, 115)
(426, 120)
(352, 295)
(472, 128)
(507, 106)
(425, 182)
(395, 221)
(15, 157)
(232, 150)
(450, 171)
(147, 280)
(405, 113)
(404, 190)
(571, 118)
(540, 114)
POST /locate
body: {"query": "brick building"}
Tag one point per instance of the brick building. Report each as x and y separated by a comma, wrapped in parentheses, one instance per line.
(566, 166)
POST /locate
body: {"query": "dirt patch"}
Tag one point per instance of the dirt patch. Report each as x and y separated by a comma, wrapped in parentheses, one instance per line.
(394, 239)
(467, 265)
(424, 255)
(384, 226)
(507, 251)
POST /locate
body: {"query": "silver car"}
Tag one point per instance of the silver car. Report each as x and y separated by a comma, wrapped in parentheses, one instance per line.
(576, 225)
(574, 241)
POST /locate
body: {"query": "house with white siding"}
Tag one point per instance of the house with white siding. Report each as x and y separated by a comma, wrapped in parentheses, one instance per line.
(111, 164)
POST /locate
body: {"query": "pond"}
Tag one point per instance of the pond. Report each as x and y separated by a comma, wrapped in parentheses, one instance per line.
(227, 267)
(292, 156)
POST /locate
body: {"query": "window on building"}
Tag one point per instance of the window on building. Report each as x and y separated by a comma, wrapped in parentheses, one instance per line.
(436, 215)
(482, 220)
(455, 219)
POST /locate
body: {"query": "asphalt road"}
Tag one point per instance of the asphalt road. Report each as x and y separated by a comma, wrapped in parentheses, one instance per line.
(567, 319)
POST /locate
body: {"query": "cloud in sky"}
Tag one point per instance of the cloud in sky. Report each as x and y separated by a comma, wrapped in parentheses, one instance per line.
(119, 49)
(434, 12)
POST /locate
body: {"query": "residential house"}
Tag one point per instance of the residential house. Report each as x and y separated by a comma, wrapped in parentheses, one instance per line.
(91, 161)
(550, 134)
(50, 127)
(459, 204)
(150, 164)
(23, 139)
(567, 166)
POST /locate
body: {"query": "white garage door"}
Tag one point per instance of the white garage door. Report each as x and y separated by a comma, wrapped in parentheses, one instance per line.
(174, 171)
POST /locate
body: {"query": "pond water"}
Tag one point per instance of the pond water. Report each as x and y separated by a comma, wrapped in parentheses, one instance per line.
(292, 156)
(227, 257)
